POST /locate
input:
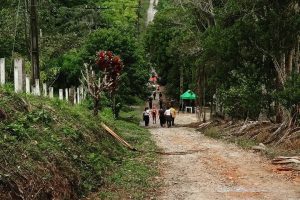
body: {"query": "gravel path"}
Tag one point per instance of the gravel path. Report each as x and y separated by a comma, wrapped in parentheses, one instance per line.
(213, 169)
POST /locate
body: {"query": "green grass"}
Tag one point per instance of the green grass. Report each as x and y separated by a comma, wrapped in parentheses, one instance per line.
(134, 175)
(56, 145)
(213, 132)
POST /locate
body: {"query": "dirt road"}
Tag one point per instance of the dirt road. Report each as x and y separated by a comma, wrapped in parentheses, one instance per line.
(212, 169)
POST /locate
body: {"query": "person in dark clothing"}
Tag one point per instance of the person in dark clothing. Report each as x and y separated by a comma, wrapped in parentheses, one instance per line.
(162, 118)
(154, 95)
(160, 104)
(172, 102)
(150, 102)
(160, 95)
(146, 116)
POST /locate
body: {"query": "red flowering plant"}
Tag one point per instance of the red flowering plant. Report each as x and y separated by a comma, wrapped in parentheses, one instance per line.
(103, 77)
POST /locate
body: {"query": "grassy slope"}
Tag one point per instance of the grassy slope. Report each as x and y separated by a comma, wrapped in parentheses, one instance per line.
(50, 149)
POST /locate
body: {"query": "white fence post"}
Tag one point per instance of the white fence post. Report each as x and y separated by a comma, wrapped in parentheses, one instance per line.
(61, 94)
(27, 85)
(2, 71)
(45, 89)
(78, 95)
(74, 95)
(37, 87)
(17, 71)
(81, 92)
(51, 92)
(67, 94)
(18, 65)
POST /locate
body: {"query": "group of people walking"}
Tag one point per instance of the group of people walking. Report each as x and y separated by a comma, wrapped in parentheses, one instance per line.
(166, 116)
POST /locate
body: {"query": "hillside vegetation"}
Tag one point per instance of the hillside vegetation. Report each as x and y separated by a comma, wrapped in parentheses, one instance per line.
(53, 150)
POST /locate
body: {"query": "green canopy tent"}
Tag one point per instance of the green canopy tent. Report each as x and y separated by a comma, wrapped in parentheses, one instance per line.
(188, 95)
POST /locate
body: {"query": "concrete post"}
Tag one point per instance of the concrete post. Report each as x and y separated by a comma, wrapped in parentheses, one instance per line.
(37, 87)
(51, 92)
(67, 94)
(45, 89)
(27, 85)
(74, 96)
(18, 74)
(16, 77)
(2, 71)
(81, 92)
(61, 94)
(78, 96)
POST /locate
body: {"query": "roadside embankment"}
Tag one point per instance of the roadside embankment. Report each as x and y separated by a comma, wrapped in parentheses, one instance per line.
(50, 149)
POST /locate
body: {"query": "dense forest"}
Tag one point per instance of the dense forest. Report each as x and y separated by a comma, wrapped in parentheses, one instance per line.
(242, 55)
(70, 34)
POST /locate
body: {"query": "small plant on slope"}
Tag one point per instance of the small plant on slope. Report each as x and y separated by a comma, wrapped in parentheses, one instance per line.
(104, 77)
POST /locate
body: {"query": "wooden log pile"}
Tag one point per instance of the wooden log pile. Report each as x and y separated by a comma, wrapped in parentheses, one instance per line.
(291, 163)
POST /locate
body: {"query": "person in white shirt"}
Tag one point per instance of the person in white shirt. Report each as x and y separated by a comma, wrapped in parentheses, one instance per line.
(146, 116)
(168, 117)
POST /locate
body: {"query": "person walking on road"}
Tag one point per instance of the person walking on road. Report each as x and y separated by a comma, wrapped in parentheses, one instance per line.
(168, 117)
(173, 115)
(154, 95)
(162, 118)
(146, 116)
(150, 102)
(154, 114)
(160, 104)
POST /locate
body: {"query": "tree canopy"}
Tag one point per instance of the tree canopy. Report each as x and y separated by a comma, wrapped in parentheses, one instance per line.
(245, 52)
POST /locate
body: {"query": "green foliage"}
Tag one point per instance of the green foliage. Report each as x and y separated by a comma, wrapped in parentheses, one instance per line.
(72, 32)
(54, 143)
(290, 95)
(231, 50)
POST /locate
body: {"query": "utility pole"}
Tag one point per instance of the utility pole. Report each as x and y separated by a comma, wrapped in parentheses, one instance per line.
(181, 86)
(34, 50)
(181, 79)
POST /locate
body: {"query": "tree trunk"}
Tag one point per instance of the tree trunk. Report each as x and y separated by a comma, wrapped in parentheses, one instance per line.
(289, 65)
(283, 67)
(297, 58)
(198, 90)
(204, 91)
(278, 107)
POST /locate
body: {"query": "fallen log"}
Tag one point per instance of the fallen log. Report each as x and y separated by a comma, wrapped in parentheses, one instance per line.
(285, 169)
(247, 126)
(260, 147)
(287, 157)
(117, 137)
(286, 160)
(204, 125)
(275, 134)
